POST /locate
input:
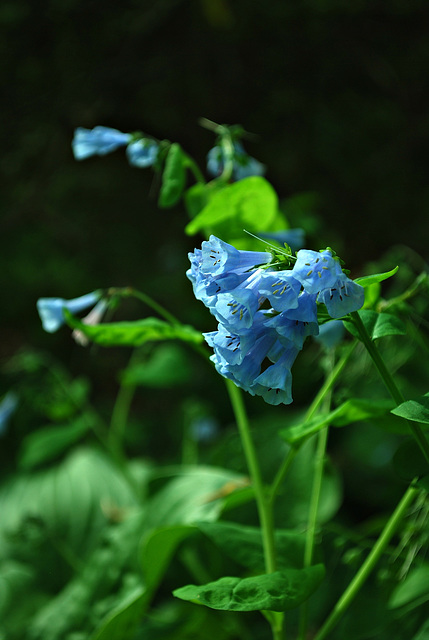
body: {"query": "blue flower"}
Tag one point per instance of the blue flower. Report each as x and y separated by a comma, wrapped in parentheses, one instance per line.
(7, 407)
(142, 153)
(316, 270)
(98, 141)
(244, 166)
(281, 289)
(330, 334)
(51, 309)
(343, 297)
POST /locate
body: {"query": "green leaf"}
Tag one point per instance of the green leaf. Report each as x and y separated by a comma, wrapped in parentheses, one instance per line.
(244, 544)
(353, 410)
(409, 461)
(134, 334)
(123, 621)
(250, 204)
(156, 551)
(199, 195)
(278, 591)
(167, 366)
(415, 588)
(423, 632)
(173, 177)
(47, 443)
(378, 325)
(415, 410)
(366, 281)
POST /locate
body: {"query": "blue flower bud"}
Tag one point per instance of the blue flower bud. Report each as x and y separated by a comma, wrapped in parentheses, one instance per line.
(98, 141)
(142, 153)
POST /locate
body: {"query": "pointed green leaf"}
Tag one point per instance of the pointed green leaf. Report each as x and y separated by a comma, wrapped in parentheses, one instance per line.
(173, 177)
(415, 410)
(353, 410)
(415, 587)
(244, 544)
(365, 281)
(134, 334)
(378, 325)
(47, 443)
(122, 622)
(278, 591)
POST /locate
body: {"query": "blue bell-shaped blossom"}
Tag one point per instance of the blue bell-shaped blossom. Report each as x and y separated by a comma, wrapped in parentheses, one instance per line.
(275, 383)
(316, 270)
(219, 256)
(244, 165)
(281, 289)
(98, 141)
(51, 309)
(343, 297)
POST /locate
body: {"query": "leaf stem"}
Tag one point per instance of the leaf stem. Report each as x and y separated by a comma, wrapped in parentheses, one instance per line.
(369, 564)
(388, 380)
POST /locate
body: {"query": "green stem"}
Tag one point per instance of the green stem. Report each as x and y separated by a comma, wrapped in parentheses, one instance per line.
(119, 418)
(369, 564)
(389, 382)
(192, 166)
(324, 390)
(130, 292)
(263, 504)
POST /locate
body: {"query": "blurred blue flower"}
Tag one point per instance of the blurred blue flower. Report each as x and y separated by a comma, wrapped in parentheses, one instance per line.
(244, 165)
(98, 141)
(330, 334)
(142, 153)
(51, 309)
(295, 238)
(7, 407)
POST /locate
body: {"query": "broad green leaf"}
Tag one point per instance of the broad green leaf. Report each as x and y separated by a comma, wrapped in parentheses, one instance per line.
(415, 410)
(167, 366)
(409, 461)
(156, 551)
(47, 443)
(244, 544)
(353, 410)
(365, 281)
(378, 325)
(199, 195)
(173, 177)
(415, 588)
(134, 334)
(278, 591)
(423, 632)
(123, 621)
(249, 204)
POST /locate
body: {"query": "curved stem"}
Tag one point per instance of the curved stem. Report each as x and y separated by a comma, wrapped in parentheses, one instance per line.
(128, 292)
(369, 564)
(389, 382)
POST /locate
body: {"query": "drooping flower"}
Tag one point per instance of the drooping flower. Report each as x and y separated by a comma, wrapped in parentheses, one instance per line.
(142, 153)
(265, 312)
(51, 310)
(98, 141)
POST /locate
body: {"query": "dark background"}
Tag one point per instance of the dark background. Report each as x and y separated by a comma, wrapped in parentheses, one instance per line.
(336, 91)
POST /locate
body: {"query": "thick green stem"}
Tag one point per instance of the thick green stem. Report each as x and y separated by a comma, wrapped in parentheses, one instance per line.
(369, 564)
(389, 382)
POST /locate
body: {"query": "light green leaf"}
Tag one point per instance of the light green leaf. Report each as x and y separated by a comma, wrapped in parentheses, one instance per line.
(278, 591)
(173, 177)
(199, 195)
(134, 334)
(415, 410)
(250, 204)
(167, 366)
(378, 325)
(415, 588)
(365, 281)
(47, 443)
(353, 410)
(123, 621)
(244, 544)
(156, 551)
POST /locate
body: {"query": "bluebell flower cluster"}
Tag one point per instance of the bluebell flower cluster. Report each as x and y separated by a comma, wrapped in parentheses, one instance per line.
(265, 310)
(244, 165)
(141, 152)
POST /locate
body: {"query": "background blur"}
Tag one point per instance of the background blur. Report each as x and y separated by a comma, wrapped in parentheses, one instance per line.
(335, 91)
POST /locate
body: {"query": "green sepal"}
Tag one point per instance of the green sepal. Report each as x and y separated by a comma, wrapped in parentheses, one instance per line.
(134, 334)
(173, 177)
(366, 281)
(278, 591)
